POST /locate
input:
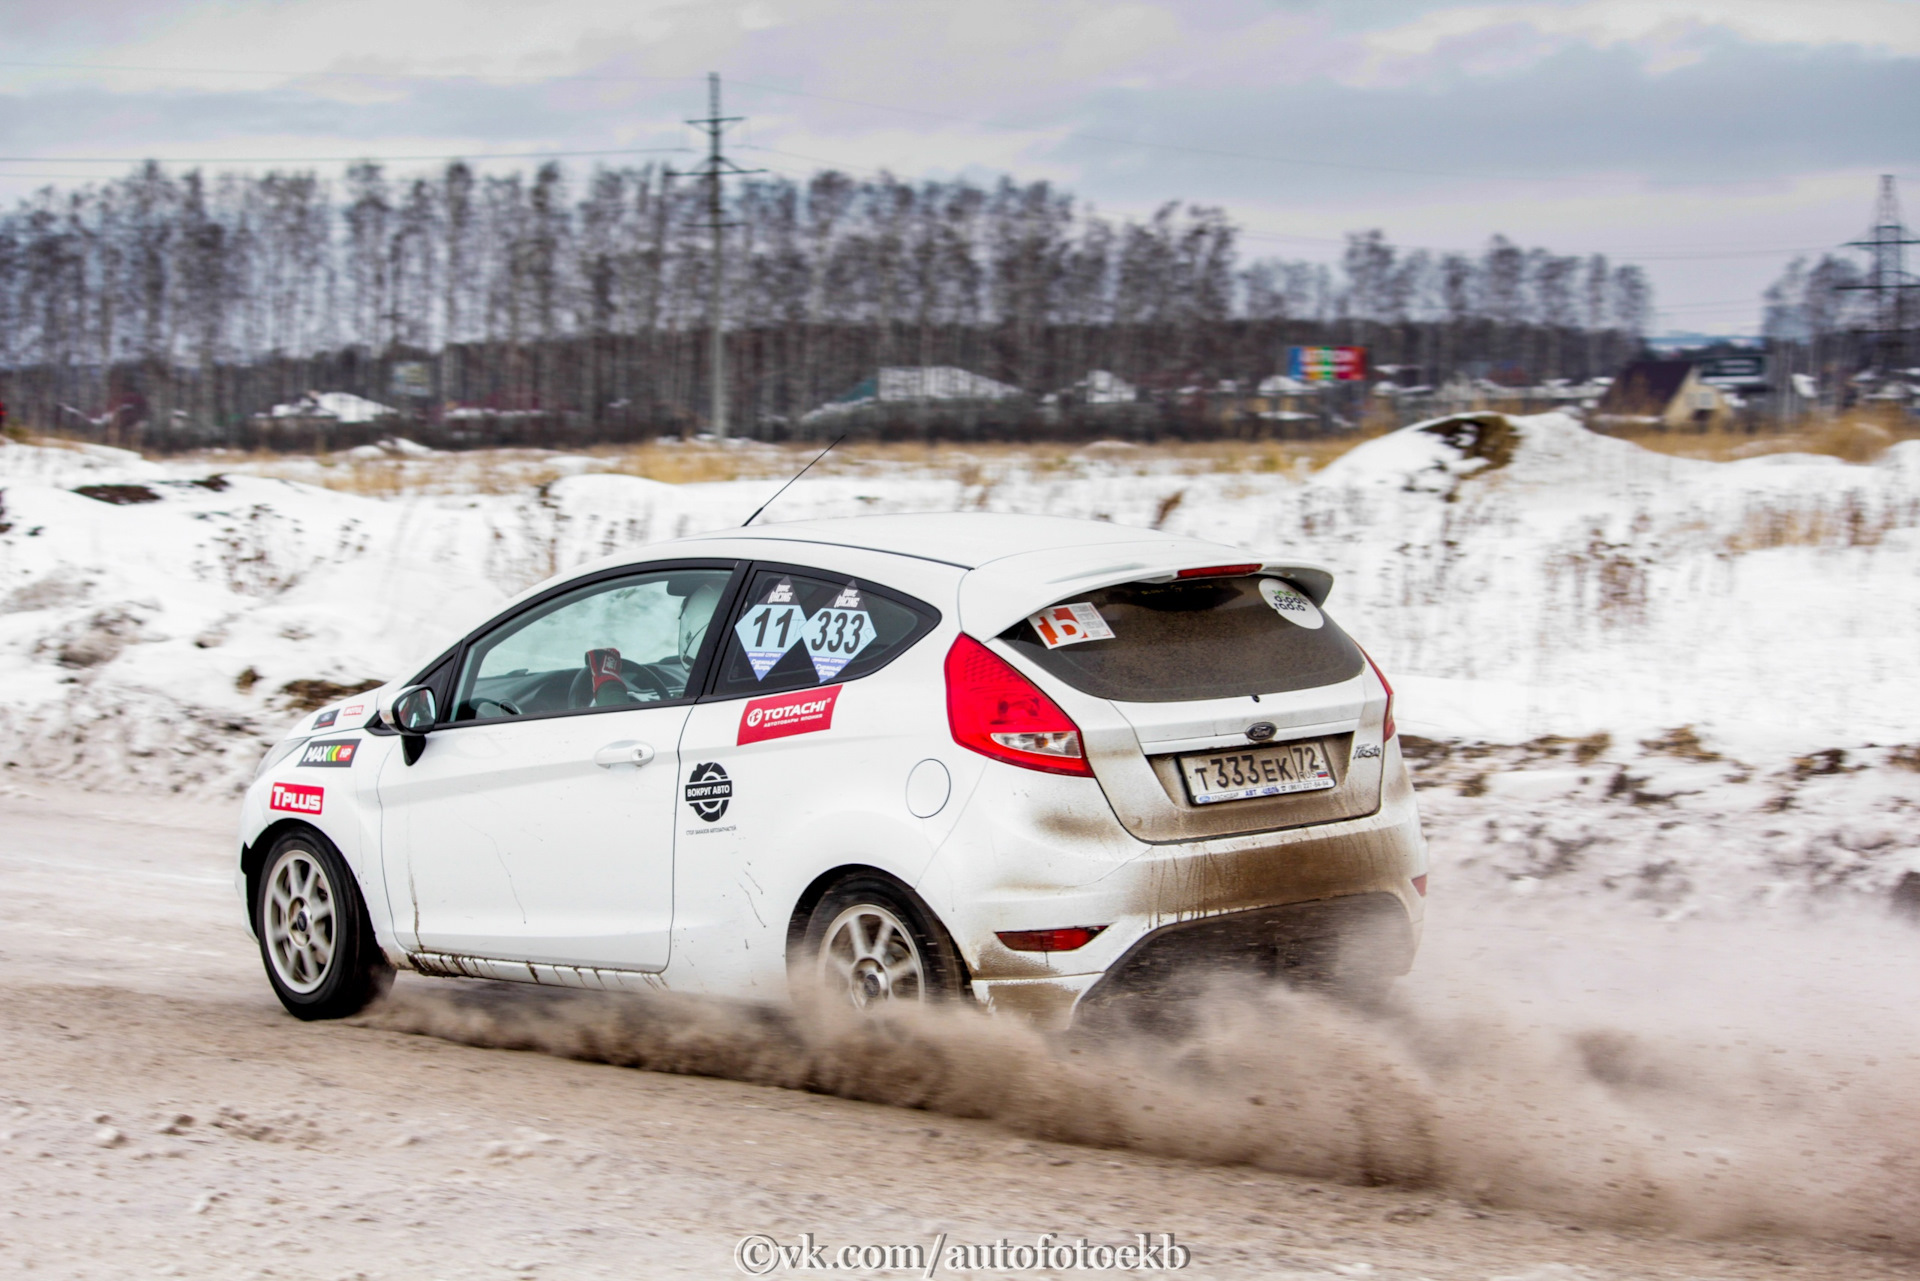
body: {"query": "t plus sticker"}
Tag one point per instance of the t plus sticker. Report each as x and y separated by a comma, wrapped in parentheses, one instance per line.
(837, 634)
(1060, 625)
(1290, 604)
(296, 799)
(771, 628)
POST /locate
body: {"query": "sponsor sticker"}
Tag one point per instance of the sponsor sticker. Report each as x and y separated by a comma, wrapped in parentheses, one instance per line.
(355, 710)
(784, 715)
(1290, 604)
(326, 719)
(708, 790)
(296, 798)
(837, 634)
(330, 753)
(770, 628)
(1070, 625)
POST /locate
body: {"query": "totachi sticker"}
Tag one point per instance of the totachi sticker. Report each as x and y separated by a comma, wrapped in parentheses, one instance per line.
(771, 628)
(326, 719)
(1290, 604)
(783, 715)
(330, 753)
(295, 798)
(837, 634)
(1070, 625)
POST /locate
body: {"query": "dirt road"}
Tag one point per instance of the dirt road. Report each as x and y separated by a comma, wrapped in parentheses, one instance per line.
(163, 1117)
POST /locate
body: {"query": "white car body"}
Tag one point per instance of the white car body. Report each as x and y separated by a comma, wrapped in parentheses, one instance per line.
(537, 849)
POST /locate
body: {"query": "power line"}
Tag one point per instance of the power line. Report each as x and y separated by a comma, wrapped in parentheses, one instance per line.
(717, 167)
(328, 160)
(346, 75)
(1887, 278)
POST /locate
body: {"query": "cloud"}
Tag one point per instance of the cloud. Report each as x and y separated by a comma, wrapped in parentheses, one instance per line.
(1423, 114)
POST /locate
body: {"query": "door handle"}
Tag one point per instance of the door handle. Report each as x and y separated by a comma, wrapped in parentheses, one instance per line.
(624, 753)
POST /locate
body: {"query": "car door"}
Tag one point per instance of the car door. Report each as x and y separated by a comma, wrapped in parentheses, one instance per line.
(796, 737)
(537, 822)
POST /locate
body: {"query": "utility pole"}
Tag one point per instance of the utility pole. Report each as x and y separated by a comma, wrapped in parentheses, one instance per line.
(716, 168)
(1887, 278)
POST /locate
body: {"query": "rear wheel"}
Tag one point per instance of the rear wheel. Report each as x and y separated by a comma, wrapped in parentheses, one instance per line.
(869, 944)
(315, 936)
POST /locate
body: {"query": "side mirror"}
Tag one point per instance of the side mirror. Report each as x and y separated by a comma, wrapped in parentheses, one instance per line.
(411, 711)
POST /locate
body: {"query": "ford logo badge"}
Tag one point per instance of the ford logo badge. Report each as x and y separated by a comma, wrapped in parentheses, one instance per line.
(1260, 731)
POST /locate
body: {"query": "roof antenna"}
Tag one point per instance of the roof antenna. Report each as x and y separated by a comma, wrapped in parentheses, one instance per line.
(796, 476)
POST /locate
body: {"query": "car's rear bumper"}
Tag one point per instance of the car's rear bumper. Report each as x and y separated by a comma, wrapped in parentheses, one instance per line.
(1267, 903)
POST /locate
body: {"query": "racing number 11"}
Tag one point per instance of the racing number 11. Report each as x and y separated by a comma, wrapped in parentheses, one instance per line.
(786, 622)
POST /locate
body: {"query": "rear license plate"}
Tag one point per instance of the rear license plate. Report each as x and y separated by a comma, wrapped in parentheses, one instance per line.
(1213, 777)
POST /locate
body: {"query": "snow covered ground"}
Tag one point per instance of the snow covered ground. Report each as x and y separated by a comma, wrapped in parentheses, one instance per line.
(1691, 684)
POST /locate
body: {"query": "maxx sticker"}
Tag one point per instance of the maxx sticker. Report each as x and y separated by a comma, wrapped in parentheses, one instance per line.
(330, 753)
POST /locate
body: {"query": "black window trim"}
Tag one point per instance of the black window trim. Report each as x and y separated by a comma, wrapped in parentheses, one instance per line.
(929, 615)
(697, 677)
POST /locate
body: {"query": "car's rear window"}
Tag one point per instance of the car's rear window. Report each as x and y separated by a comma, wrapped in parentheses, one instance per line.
(1205, 638)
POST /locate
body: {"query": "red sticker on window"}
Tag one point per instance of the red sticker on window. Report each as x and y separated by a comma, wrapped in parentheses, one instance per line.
(296, 799)
(783, 715)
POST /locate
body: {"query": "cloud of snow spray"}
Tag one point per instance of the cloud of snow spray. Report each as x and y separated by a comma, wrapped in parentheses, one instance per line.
(1673, 1111)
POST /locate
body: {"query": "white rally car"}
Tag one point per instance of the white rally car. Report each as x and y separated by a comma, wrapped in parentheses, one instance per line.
(1044, 764)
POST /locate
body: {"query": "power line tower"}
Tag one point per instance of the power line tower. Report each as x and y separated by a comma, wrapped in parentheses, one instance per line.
(717, 166)
(1887, 279)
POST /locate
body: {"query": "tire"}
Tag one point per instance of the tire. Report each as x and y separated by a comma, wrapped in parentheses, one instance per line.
(870, 944)
(315, 937)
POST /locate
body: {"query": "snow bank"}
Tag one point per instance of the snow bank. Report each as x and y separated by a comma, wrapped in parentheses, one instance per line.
(1517, 578)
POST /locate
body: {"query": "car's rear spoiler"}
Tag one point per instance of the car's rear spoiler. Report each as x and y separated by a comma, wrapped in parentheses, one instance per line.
(1001, 593)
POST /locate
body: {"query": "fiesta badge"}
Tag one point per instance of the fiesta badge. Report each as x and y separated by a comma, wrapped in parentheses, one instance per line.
(708, 791)
(783, 715)
(294, 798)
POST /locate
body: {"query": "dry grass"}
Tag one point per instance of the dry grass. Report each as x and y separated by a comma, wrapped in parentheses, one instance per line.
(1859, 437)
(501, 471)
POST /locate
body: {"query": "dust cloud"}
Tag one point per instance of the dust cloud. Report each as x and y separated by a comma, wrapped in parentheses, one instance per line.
(1716, 1080)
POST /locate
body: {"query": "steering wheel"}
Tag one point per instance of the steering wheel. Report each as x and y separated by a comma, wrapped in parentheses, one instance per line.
(580, 693)
(506, 708)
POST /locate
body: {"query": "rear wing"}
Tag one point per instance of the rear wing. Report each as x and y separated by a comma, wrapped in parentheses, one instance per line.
(1001, 593)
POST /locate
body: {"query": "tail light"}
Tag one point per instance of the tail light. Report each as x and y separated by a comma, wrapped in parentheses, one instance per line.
(997, 712)
(1070, 939)
(1386, 725)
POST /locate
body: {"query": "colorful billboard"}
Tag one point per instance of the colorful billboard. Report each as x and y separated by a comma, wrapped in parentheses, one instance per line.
(1327, 364)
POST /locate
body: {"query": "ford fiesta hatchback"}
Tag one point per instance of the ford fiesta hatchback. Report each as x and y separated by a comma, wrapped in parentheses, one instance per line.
(1039, 764)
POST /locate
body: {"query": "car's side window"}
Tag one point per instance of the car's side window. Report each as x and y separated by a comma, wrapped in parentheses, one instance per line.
(793, 629)
(623, 642)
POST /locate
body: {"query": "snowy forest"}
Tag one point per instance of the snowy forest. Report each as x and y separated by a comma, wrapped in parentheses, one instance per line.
(173, 310)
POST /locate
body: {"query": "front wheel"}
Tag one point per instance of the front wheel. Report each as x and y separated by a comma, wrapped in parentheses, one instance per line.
(314, 933)
(869, 944)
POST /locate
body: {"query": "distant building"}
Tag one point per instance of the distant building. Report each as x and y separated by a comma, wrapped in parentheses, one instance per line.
(335, 406)
(915, 384)
(1668, 394)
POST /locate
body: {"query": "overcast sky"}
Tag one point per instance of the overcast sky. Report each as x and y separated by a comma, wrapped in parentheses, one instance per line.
(1708, 140)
